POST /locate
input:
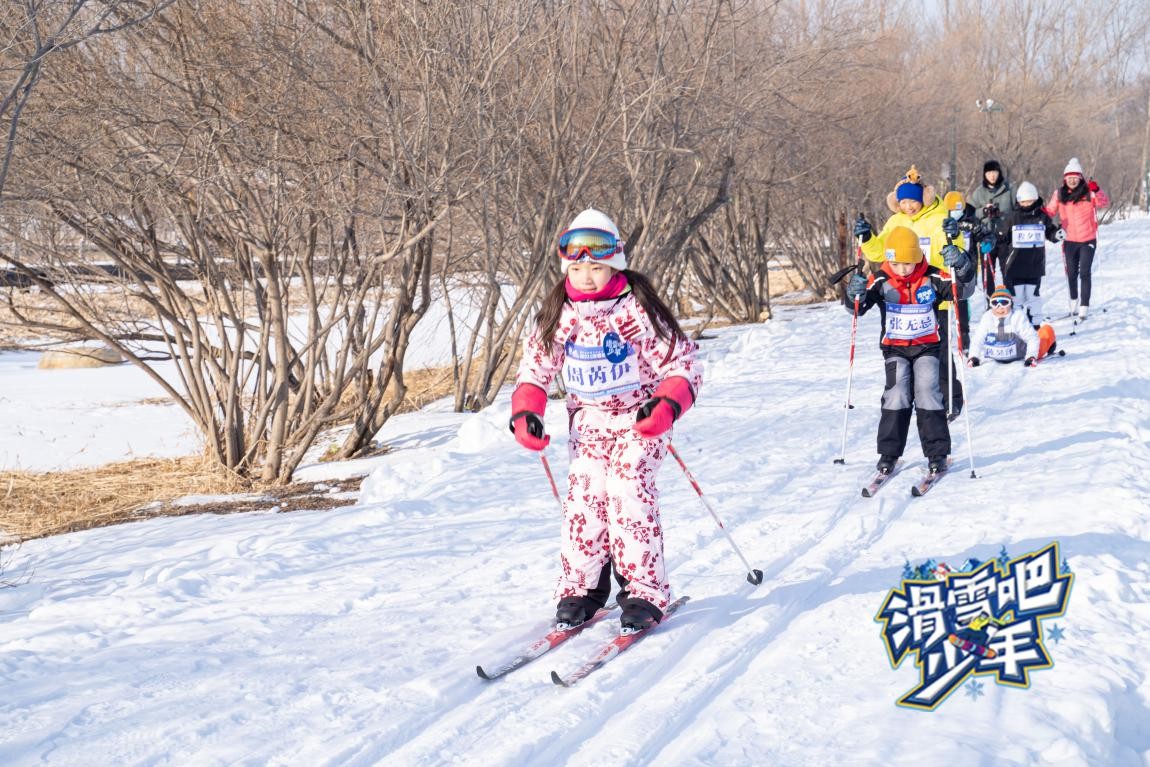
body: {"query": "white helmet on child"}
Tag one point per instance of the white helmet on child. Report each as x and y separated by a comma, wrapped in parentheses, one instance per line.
(1027, 192)
(594, 219)
(597, 220)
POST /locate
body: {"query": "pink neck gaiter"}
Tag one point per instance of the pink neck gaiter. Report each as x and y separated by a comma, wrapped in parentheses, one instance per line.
(614, 287)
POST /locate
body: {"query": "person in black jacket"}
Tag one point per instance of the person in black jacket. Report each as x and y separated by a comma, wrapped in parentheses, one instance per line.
(1028, 228)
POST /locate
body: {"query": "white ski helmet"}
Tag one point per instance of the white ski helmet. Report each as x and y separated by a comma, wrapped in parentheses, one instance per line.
(594, 219)
(1027, 192)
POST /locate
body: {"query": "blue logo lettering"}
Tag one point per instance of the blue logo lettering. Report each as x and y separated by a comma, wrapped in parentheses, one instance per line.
(614, 348)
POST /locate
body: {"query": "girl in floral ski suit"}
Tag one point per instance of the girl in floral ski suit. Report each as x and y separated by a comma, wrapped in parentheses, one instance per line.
(630, 373)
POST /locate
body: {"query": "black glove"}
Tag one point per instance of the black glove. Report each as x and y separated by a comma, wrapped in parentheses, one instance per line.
(862, 229)
(973, 362)
(950, 227)
(856, 287)
(1030, 362)
(954, 258)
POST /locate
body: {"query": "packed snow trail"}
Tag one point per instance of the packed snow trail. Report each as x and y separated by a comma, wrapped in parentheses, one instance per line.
(350, 637)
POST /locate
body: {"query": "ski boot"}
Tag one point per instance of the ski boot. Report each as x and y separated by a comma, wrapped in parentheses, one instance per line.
(936, 463)
(638, 615)
(572, 611)
(886, 464)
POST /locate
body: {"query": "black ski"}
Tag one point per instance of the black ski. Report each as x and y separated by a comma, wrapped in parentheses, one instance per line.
(878, 480)
(926, 483)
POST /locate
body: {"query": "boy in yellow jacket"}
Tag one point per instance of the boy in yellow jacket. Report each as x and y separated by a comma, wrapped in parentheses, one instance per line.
(917, 207)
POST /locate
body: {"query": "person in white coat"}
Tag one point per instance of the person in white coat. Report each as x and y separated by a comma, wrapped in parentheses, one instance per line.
(1006, 335)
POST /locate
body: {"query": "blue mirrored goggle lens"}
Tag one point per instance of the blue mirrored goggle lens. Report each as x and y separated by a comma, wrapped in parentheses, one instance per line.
(594, 242)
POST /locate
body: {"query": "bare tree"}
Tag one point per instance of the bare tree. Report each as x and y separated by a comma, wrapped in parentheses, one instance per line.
(32, 31)
(273, 195)
(278, 234)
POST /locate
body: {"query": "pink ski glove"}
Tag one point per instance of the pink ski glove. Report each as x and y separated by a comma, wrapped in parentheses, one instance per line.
(527, 405)
(672, 398)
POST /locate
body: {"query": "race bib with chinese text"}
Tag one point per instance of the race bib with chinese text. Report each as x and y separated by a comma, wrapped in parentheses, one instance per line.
(1027, 235)
(598, 372)
(908, 322)
(1003, 350)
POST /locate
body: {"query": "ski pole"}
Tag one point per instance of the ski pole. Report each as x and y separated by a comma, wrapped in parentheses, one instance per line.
(962, 376)
(950, 355)
(977, 248)
(952, 338)
(754, 576)
(842, 459)
(551, 479)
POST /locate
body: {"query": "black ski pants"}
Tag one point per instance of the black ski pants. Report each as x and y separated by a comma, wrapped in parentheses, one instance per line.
(1079, 258)
(912, 385)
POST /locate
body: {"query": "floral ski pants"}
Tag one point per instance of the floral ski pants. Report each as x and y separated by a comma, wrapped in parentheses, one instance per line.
(612, 508)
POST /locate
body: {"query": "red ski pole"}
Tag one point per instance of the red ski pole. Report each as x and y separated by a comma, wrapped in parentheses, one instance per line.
(551, 479)
(754, 576)
(850, 368)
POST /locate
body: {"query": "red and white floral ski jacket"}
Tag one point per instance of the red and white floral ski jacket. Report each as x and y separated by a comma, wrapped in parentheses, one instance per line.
(610, 357)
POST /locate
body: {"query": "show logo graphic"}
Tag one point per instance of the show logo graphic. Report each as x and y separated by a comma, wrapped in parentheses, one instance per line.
(986, 620)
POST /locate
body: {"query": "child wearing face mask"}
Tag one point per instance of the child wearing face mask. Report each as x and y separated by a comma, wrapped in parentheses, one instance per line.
(915, 206)
(1028, 229)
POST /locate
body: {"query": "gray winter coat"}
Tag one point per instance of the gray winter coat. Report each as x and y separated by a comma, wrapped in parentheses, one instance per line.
(1001, 195)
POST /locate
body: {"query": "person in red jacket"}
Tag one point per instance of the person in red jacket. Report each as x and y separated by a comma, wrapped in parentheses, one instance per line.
(1075, 206)
(630, 373)
(908, 291)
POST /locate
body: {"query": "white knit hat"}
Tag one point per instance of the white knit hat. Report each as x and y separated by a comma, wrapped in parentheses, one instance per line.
(1073, 167)
(1026, 191)
(594, 219)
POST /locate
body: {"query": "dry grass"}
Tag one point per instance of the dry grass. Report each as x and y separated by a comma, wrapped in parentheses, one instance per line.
(39, 504)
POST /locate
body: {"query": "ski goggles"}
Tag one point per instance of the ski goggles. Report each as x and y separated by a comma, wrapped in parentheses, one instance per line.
(596, 244)
(1000, 302)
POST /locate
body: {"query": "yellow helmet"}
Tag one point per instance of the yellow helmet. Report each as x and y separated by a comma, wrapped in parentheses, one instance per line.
(901, 246)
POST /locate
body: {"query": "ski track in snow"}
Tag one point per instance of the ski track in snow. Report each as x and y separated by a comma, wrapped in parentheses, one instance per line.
(350, 637)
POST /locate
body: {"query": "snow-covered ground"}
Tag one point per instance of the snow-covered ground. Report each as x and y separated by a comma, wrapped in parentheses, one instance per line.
(76, 418)
(57, 420)
(350, 637)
